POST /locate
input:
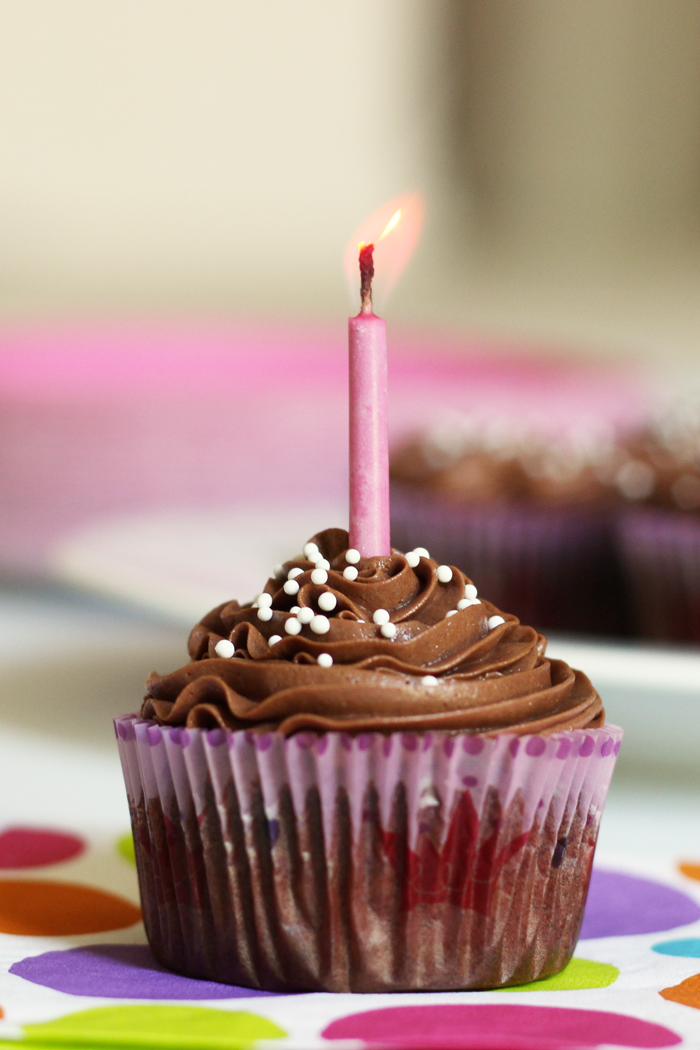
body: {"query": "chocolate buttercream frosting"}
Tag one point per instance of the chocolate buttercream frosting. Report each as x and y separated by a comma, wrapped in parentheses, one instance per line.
(453, 662)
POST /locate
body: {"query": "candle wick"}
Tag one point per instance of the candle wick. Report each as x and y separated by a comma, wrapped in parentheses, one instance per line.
(366, 275)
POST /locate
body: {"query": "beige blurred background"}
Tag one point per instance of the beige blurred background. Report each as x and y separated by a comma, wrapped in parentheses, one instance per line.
(172, 157)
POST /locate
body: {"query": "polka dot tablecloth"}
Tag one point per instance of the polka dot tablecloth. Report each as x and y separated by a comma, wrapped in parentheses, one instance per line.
(76, 971)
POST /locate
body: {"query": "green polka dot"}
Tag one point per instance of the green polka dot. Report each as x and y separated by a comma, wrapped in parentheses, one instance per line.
(125, 846)
(181, 1027)
(580, 973)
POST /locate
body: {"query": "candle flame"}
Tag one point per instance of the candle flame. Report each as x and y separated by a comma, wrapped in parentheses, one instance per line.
(394, 229)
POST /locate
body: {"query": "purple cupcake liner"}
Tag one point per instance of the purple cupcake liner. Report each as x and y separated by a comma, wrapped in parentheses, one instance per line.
(368, 863)
(554, 567)
(660, 552)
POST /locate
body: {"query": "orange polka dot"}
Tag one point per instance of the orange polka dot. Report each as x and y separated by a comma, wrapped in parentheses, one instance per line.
(691, 870)
(34, 908)
(687, 992)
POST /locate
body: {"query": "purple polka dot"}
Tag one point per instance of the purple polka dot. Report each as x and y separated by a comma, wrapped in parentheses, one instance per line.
(175, 735)
(364, 741)
(535, 746)
(120, 971)
(620, 905)
(321, 744)
(470, 781)
(263, 742)
(617, 747)
(216, 737)
(346, 741)
(387, 745)
(448, 745)
(563, 749)
(587, 747)
(155, 735)
(514, 746)
(409, 741)
(606, 747)
(305, 740)
(473, 745)
(121, 730)
(463, 1026)
(427, 741)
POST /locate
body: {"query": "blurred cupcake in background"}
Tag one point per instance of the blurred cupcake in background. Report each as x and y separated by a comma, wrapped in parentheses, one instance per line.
(659, 533)
(531, 515)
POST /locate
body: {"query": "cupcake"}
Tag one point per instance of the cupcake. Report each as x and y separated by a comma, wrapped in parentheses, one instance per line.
(659, 532)
(368, 779)
(533, 515)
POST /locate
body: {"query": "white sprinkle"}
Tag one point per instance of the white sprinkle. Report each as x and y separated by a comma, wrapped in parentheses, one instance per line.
(319, 576)
(470, 591)
(320, 625)
(264, 600)
(388, 630)
(429, 679)
(495, 621)
(464, 603)
(352, 556)
(291, 587)
(225, 648)
(278, 569)
(310, 548)
(275, 638)
(315, 557)
(325, 660)
(380, 616)
(450, 613)
(305, 615)
(327, 601)
(413, 558)
(444, 573)
(292, 626)
(421, 552)
(294, 609)
(265, 613)
(350, 573)
(293, 573)
(254, 605)
(323, 563)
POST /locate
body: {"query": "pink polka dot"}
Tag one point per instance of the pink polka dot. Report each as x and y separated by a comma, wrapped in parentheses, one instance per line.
(587, 747)
(321, 744)
(475, 1027)
(305, 740)
(448, 745)
(473, 745)
(606, 747)
(346, 741)
(409, 741)
(470, 781)
(387, 745)
(514, 746)
(216, 737)
(155, 735)
(263, 742)
(35, 847)
(364, 741)
(535, 746)
(563, 749)
(427, 741)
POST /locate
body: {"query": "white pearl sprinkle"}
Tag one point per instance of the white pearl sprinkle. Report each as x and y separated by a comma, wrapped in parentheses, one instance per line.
(470, 591)
(380, 616)
(291, 587)
(429, 679)
(444, 573)
(315, 557)
(294, 609)
(225, 648)
(310, 548)
(413, 558)
(465, 603)
(305, 615)
(323, 563)
(293, 573)
(320, 625)
(275, 638)
(319, 576)
(265, 613)
(352, 556)
(450, 613)
(421, 552)
(264, 600)
(388, 630)
(495, 621)
(327, 601)
(350, 573)
(325, 660)
(292, 626)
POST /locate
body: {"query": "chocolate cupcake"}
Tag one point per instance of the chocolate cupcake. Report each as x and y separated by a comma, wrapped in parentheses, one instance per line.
(532, 515)
(369, 779)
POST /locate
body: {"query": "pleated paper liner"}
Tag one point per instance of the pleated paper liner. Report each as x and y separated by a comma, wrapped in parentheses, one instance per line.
(368, 863)
(553, 567)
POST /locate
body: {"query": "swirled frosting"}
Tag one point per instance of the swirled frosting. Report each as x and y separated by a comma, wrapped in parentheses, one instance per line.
(454, 662)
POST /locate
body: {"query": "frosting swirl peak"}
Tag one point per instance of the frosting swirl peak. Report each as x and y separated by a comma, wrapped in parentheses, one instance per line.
(411, 646)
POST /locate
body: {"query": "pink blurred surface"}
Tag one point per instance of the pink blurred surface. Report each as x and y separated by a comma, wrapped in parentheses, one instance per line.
(102, 420)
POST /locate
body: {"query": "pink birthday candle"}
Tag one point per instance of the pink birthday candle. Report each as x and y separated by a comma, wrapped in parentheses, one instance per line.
(369, 443)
